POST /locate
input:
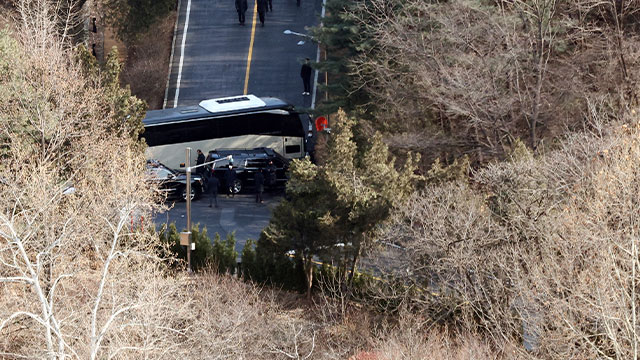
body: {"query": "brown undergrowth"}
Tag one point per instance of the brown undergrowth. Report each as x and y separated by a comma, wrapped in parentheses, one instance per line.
(145, 70)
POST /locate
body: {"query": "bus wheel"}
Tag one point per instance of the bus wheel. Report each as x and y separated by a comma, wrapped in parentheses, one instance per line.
(237, 186)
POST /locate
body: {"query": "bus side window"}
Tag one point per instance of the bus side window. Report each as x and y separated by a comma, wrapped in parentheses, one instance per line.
(291, 149)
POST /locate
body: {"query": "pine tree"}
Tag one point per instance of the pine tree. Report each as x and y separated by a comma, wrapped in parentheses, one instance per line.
(343, 39)
(366, 190)
(302, 222)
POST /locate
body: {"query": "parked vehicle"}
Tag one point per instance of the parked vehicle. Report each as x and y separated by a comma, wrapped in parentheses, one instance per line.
(172, 182)
(247, 162)
(240, 122)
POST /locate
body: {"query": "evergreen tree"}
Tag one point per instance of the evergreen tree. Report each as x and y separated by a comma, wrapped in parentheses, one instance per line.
(224, 254)
(302, 222)
(365, 190)
(343, 39)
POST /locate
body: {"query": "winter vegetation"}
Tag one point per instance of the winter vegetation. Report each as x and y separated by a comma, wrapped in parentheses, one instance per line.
(493, 145)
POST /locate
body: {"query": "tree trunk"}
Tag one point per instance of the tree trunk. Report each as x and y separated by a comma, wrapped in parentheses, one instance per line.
(354, 263)
(308, 274)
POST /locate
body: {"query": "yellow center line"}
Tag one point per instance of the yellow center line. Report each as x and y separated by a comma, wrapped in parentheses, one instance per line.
(253, 34)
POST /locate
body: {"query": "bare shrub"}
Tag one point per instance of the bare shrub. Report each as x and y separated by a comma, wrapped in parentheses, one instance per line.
(540, 250)
(76, 279)
(469, 76)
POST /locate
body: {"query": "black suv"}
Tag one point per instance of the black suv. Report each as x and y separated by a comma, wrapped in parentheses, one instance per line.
(173, 183)
(247, 162)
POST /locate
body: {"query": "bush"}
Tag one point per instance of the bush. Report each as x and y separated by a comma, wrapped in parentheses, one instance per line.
(224, 254)
(263, 263)
(204, 253)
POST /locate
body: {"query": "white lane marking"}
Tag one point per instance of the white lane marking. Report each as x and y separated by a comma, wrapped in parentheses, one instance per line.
(184, 39)
(315, 76)
(173, 47)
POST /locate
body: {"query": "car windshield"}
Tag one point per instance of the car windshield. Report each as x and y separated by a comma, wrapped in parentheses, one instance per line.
(158, 171)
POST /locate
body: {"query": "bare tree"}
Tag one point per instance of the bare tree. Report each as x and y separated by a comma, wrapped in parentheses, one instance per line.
(470, 76)
(540, 250)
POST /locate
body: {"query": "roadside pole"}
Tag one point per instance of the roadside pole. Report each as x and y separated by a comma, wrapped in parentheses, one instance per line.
(185, 236)
(188, 165)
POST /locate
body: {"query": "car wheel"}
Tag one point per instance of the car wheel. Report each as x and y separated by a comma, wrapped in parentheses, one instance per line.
(237, 186)
(198, 193)
(184, 193)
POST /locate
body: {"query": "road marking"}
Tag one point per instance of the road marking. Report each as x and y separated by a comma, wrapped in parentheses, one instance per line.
(173, 48)
(253, 35)
(184, 39)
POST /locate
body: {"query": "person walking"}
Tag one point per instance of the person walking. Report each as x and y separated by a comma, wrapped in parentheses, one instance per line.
(230, 178)
(305, 74)
(214, 184)
(270, 5)
(241, 8)
(262, 8)
(259, 180)
(200, 161)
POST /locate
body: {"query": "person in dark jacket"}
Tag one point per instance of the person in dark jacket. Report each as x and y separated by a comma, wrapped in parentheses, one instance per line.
(241, 8)
(262, 8)
(213, 184)
(305, 74)
(271, 175)
(200, 161)
(230, 178)
(259, 180)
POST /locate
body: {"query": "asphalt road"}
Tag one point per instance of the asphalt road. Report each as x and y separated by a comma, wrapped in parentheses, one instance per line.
(213, 63)
(240, 214)
(216, 51)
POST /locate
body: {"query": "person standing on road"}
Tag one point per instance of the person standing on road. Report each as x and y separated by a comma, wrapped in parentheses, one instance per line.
(262, 8)
(305, 74)
(230, 179)
(214, 183)
(200, 161)
(241, 7)
(259, 180)
(271, 175)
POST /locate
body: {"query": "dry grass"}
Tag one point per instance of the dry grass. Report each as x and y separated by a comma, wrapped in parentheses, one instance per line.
(145, 70)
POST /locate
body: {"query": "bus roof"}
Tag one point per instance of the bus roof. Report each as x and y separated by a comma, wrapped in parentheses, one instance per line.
(215, 108)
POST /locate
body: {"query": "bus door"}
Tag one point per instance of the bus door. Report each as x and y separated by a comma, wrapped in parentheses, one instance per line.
(293, 147)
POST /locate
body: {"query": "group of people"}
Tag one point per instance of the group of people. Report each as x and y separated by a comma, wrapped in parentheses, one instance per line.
(262, 177)
(263, 7)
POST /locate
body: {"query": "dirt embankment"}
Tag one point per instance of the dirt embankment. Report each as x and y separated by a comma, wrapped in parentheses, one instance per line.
(147, 62)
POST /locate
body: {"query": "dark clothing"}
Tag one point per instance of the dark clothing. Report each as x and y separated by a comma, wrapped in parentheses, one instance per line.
(259, 180)
(214, 184)
(305, 74)
(241, 8)
(270, 7)
(262, 8)
(230, 178)
(200, 160)
(306, 82)
(271, 175)
(298, 3)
